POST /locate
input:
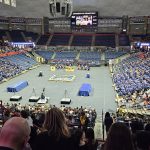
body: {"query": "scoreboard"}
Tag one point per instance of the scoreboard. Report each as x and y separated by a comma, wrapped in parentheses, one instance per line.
(9, 2)
(84, 19)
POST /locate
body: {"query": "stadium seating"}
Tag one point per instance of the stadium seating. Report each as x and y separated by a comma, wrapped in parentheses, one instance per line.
(89, 56)
(33, 36)
(2, 33)
(82, 40)
(8, 69)
(132, 74)
(92, 58)
(22, 60)
(45, 54)
(105, 40)
(124, 40)
(65, 55)
(113, 54)
(16, 36)
(60, 39)
(43, 39)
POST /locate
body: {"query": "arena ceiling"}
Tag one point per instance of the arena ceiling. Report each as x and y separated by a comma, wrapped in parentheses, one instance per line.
(40, 8)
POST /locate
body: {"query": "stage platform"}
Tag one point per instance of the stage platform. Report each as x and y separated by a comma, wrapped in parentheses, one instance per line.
(17, 87)
(16, 98)
(85, 90)
(65, 101)
(34, 98)
(43, 101)
(65, 78)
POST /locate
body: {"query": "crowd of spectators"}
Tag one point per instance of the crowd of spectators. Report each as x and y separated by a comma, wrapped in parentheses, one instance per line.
(51, 128)
(132, 74)
(82, 66)
(43, 118)
(72, 114)
(62, 61)
(5, 48)
(8, 69)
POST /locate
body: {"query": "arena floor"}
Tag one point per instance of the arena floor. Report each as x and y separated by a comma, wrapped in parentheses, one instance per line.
(102, 97)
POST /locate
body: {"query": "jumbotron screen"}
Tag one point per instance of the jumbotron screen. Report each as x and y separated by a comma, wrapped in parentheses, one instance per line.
(84, 19)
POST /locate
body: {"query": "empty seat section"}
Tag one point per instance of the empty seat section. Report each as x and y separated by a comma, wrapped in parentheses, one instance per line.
(2, 33)
(82, 40)
(105, 40)
(16, 36)
(31, 35)
(22, 60)
(65, 55)
(45, 54)
(113, 54)
(60, 39)
(124, 40)
(43, 39)
(89, 56)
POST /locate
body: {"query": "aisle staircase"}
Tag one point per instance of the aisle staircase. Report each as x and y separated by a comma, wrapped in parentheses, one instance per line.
(98, 129)
(53, 55)
(49, 40)
(78, 56)
(93, 40)
(103, 56)
(71, 39)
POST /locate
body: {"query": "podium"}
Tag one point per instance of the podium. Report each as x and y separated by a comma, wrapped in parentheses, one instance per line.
(15, 98)
(65, 101)
(34, 98)
(43, 101)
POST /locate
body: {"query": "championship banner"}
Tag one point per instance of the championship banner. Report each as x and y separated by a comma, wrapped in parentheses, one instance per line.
(53, 68)
(69, 69)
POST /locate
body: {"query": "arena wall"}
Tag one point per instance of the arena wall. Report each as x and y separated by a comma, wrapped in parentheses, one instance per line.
(40, 8)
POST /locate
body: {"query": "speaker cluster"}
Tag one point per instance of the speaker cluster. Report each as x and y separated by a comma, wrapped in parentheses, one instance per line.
(60, 8)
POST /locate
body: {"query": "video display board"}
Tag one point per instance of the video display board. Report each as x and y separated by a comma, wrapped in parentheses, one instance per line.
(84, 19)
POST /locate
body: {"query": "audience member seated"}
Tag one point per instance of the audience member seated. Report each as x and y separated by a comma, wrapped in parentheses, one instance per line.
(83, 67)
(90, 142)
(83, 121)
(14, 134)
(119, 138)
(142, 140)
(13, 65)
(78, 138)
(8, 69)
(56, 133)
(147, 127)
(25, 114)
(132, 74)
(75, 113)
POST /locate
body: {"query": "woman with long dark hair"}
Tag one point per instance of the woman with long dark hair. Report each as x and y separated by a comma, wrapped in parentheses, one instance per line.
(119, 138)
(90, 142)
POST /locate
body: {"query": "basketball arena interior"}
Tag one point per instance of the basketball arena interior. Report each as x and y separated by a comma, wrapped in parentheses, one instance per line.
(78, 55)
